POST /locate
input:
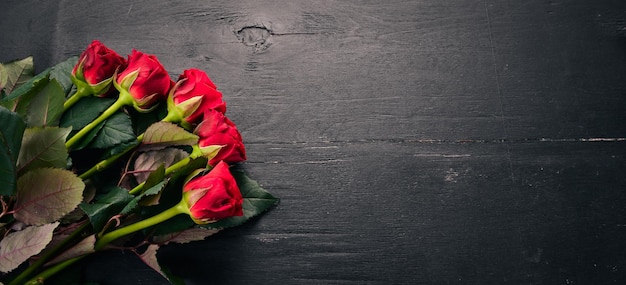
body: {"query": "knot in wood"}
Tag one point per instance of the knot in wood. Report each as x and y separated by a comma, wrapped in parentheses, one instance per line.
(254, 36)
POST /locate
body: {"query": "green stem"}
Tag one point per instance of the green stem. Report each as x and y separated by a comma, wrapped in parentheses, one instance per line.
(195, 153)
(104, 164)
(172, 117)
(107, 162)
(180, 208)
(124, 99)
(41, 277)
(45, 257)
(174, 167)
(81, 92)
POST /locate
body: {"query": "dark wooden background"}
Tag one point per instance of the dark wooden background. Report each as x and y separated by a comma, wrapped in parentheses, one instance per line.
(411, 142)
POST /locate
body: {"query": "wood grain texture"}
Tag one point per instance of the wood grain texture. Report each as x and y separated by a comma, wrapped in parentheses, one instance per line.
(411, 142)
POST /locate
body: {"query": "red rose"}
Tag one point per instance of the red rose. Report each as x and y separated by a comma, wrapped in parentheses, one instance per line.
(95, 68)
(193, 94)
(213, 196)
(145, 79)
(217, 129)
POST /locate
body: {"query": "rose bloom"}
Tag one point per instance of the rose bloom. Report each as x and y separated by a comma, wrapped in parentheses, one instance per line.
(97, 64)
(213, 196)
(145, 79)
(195, 84)
(217, 129)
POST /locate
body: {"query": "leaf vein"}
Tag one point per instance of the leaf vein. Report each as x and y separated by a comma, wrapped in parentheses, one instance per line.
(41, 150)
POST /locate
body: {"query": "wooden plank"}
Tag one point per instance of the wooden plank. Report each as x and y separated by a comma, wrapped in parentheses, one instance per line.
(319, 71)
(410, 141)
(561, 74)
(427, 213)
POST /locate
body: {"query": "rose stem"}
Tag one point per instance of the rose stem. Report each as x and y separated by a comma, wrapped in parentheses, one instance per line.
(195, 153)
(81, 92)
(107, 162)
(39, 279)
(124, 99)
(180, 208)
(48, 254)
(176, 166)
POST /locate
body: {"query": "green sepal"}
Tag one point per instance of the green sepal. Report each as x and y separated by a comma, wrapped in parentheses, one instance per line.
(209, 151)
(127, 81)
(178, 113)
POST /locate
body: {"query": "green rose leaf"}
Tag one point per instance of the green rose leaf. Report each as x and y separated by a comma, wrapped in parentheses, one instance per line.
(84, 112)
(83, 247)
(45, 195)
(88, 138)
(4, 77)
(43, 147)
(185, 236)
(62, 73)
(106, 206)
(45, 107)
(154, 190)
(15, 73)
(172, 194)
(173, 225)
(119, 149)
(11, 132)
(141, 121)
(149, 161)
(162, 134)
(149, 258)
(255, 201)
(26, 91)
(17, 247)
(154, 185)
(116, 130)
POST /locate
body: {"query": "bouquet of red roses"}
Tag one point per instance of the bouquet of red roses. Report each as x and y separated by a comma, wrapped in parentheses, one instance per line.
(98, 149)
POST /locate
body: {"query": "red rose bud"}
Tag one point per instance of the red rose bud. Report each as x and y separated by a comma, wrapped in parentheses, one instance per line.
(95, 68)
(145, 79)
(213, 196)
(217, 129)
(193, 94)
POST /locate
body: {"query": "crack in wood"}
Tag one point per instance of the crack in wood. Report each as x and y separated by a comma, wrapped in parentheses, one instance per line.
(258, 36)
(445, 141)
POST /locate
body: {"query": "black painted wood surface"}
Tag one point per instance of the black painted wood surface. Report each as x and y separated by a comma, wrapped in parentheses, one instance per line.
(411, 142)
